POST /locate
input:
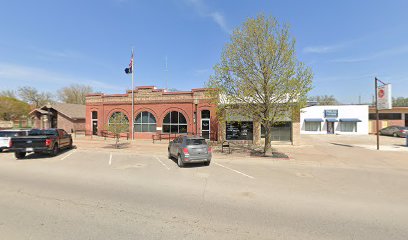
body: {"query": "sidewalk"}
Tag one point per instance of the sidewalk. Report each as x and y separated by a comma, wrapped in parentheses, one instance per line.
(316, 151)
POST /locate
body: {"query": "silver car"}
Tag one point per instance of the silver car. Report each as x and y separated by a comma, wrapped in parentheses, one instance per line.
(190, 149)
(396, 131)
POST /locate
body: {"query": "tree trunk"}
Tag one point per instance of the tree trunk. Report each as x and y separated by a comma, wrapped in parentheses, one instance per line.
(117, 141)
(268, 138)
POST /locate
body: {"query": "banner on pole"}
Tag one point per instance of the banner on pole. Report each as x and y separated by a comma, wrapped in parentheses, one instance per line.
(384, 97)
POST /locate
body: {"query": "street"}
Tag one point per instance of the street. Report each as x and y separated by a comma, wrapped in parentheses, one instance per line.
(85, 194)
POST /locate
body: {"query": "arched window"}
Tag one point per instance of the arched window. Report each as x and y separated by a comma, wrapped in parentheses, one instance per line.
(118, 118)
(145, 122)
(174, 122)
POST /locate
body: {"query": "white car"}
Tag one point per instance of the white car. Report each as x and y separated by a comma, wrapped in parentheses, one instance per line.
(6, 135)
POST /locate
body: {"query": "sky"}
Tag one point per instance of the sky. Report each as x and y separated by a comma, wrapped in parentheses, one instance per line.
(50, 44)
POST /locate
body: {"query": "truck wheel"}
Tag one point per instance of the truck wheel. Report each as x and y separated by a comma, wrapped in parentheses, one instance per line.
(55, 150)
(19, 155)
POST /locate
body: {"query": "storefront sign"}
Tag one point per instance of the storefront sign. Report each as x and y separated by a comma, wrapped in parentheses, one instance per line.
(332, 113)
(384, 97)
(239, 130)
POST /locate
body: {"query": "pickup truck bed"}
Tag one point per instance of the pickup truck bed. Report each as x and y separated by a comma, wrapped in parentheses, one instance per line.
(48, 141)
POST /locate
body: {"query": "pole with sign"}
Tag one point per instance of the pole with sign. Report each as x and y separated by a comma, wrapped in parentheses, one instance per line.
(383, 100)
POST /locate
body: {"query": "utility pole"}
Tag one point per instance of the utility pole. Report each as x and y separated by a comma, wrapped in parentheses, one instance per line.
(376, 114)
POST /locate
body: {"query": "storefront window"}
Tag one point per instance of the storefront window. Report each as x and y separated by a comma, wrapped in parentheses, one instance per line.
(145, 122)
(239, 130)
(313, 126)
(174, 122)
(348, 126)
(281, 131)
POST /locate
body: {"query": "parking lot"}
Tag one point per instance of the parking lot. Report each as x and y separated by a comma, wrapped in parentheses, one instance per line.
(323, 191)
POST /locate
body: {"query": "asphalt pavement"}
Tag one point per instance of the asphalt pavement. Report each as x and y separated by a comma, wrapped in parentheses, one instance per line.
(88, 194)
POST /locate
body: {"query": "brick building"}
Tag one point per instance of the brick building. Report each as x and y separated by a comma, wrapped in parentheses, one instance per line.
(395, 116)
(70, 117)
(157, 111)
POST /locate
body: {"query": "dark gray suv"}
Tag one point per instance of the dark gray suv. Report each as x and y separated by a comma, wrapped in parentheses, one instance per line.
(190, 149)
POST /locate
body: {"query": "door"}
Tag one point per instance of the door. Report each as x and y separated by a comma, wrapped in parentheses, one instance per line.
(205, 128)
(95, 127)
(330, 127)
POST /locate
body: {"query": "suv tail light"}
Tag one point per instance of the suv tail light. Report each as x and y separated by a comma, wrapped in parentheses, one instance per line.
(185, 150)
(10, 143)
(47, 142)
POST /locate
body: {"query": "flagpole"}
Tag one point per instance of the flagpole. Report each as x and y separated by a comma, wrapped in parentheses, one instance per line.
(133, 100)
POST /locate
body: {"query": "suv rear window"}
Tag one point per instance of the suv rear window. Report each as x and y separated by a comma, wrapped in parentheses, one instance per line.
(196, 141)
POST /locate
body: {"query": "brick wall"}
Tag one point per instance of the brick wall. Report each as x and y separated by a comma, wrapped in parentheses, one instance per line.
(68, 124)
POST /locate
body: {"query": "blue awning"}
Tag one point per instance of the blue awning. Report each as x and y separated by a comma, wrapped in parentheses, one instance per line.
(313, 120)
(331, 120)
(350, 120)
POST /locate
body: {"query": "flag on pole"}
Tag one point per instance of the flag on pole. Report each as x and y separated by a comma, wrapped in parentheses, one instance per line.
(129, 69)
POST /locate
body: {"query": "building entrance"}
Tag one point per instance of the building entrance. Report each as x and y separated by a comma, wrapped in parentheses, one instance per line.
(330, 127)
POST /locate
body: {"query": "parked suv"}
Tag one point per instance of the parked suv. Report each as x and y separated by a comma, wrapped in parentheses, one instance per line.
(190, 149)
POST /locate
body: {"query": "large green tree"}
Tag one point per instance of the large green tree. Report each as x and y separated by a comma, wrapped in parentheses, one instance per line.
(74, 93)
(12, 108)
(259, 75)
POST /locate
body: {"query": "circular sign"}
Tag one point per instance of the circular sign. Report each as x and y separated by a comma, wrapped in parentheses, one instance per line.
(381, 93)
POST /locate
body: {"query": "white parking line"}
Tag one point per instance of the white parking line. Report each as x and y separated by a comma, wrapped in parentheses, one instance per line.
(246, 175)
(110, 159)
(162, 163)
(69, 154)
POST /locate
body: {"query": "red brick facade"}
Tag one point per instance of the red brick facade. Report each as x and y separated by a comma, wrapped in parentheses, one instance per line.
(155, 101)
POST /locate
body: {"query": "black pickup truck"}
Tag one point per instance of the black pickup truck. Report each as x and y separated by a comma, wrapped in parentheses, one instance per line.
(41, 141)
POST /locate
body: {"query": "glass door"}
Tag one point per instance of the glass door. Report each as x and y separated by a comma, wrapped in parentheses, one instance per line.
(205, 128)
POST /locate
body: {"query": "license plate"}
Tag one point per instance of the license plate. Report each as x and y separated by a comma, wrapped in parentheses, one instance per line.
(29, 149)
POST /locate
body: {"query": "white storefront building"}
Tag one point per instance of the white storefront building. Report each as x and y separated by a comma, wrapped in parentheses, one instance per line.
(340, 119)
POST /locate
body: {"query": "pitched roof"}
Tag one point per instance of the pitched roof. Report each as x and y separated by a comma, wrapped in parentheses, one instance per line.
(74, 111)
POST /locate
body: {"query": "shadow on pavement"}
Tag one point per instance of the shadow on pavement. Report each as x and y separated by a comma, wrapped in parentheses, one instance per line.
(33, 156)
(342, 145)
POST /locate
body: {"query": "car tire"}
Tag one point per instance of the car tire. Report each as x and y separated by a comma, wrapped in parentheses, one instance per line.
(180, 162)
(207, 163)
(395, 135)
(1, 150)
(55, 150)
(19, 155)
